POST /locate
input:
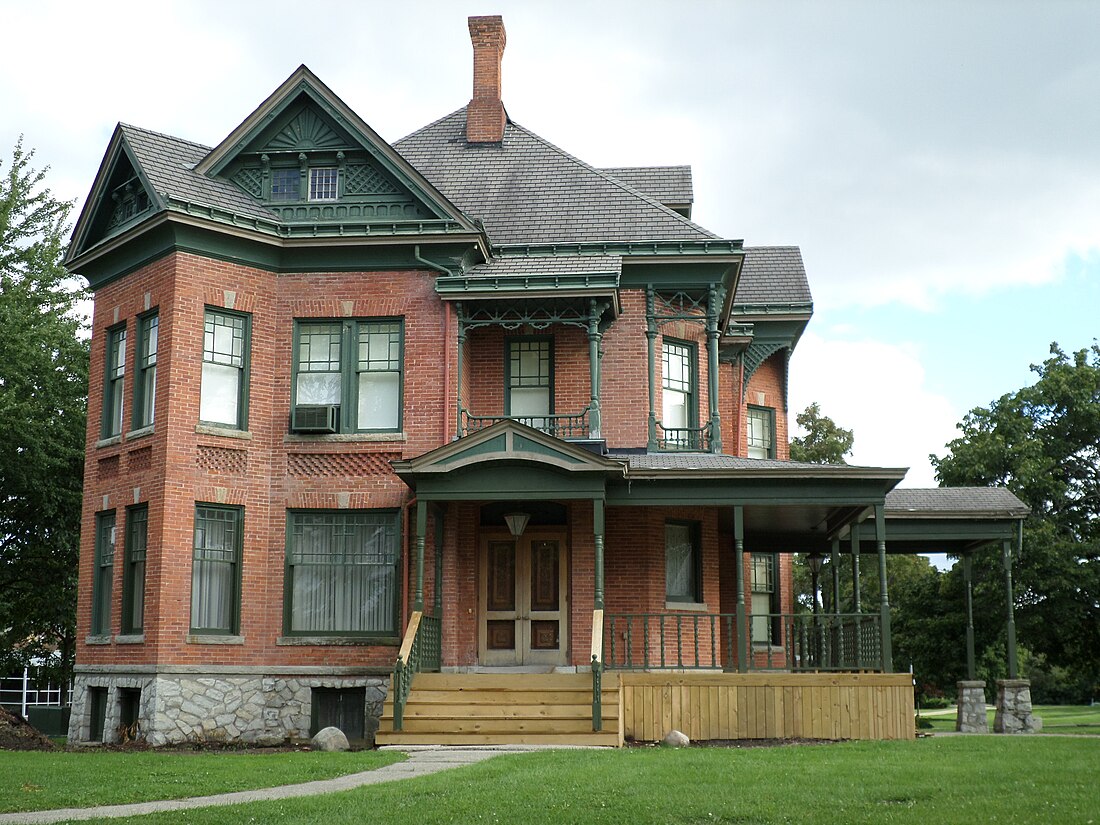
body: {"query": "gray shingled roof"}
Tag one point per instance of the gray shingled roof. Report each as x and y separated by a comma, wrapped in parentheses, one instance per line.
(548, 265)
(773, 275)
(665, 184)
(712, 461)
(954, 501)
(169, 161)
(527, 190)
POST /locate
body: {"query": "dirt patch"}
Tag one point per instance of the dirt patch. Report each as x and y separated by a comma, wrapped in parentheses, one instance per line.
(17, 735)
(738, 743)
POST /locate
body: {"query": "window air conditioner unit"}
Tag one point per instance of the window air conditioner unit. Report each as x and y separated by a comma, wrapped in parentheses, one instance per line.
(314, 418)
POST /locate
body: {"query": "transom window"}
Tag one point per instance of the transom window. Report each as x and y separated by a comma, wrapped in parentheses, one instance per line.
(323, 183)
(342, 572)
(224, 392)
(529, 380)
(286, 184)
(761, 432)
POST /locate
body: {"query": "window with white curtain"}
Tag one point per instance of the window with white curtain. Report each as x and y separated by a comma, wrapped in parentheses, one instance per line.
(215, 569)
(342, 572)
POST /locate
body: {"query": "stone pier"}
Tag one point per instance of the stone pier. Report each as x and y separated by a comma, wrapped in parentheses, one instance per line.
(971, 717)
(1014, 708)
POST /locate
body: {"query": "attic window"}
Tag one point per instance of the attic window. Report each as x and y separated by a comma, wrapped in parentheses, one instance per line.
(323, 183)
(285, 184)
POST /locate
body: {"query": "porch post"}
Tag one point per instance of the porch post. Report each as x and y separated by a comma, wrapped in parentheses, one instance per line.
(594, 369)
(1010, 616)
(651, 336)
(854, 536)
(739, 564)
(598, 529)
(421, 529)
(834, 560)
(971, 668)
(712, 370)
(437, 607)
(458, 387)
(880, 540)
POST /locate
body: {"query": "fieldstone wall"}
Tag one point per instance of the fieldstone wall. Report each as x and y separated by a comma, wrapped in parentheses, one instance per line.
(1014, 708)
(183, 708)
(971, 717)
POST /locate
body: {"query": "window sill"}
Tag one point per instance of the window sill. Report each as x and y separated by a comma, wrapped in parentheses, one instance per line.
(343, 438)
(760, 647)
(687, 607)
(141, 432)
(339, 640)
(98, 640)
(213, 639)
(109, 442)
(130, 639)
(225, 432)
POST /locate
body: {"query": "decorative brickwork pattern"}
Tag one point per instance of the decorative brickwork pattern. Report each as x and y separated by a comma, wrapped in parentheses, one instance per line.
(107, 467)
(221, 460)
(329, 465)
(140, 459)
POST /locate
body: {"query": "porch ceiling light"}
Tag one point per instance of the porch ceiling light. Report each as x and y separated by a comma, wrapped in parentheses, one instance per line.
(517, 522)
(815, 561)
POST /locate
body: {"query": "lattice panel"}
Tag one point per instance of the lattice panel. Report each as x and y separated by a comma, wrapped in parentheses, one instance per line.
(251, 181)
(222, 460)
(141, 459)
(339, 464)
(367, 180)
(107, 467)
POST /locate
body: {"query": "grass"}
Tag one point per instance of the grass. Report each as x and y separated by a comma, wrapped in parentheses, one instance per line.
(34, 781)
(929, 781)
(1068, 719)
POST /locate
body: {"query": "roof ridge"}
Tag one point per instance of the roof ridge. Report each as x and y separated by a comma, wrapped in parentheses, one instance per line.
(650, 166)
(773, 246)
(163, 135)
(612, 179)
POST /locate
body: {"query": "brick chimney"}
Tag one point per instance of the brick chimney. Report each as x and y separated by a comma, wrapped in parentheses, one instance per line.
(485, 115)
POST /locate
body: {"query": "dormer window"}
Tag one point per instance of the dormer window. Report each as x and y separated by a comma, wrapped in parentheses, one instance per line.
(285, 184)
(323, 183)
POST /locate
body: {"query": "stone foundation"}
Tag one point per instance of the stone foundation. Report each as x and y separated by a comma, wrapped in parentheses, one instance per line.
(971, 717)
(1014, 708)
(180, 708)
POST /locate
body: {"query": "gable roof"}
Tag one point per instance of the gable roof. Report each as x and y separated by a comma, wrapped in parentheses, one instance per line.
(526, 190)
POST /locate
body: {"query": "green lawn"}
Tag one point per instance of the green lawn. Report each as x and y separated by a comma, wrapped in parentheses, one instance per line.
(931, 781)
(1071, 719)
(32, 781)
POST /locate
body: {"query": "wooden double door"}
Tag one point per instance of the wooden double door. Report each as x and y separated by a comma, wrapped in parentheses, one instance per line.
(523, 611)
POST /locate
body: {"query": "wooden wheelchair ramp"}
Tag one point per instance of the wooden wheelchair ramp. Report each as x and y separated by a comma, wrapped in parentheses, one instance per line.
(504, 709)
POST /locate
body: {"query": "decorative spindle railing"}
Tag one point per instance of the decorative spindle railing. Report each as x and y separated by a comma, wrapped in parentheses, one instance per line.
(572, 425)
(684, 439)
(421, 650)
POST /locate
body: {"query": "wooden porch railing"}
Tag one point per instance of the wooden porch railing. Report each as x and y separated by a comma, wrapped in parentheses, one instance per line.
(597, 670)
(708, 641)
(570, 425)
(421, 650)
(686, 439)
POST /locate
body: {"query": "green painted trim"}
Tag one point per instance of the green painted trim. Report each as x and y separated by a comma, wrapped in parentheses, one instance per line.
(626, 248)
(102, 596)
(509, 340)
(769, 412)
(234, 628)
(106, 429)
(526, 445)
(125, 625)
(805, 308)
(653, 492)
(515, 482)
(137, 417)
(498, 444)
(458, 286)
(245, 390)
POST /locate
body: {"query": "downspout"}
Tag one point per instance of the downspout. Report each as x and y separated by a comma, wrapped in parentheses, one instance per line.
(447, 346)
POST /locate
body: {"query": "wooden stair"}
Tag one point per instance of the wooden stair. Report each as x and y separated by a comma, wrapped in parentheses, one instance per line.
(504, 709)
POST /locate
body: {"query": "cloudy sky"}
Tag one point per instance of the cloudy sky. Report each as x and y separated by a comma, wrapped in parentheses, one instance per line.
(936, 161)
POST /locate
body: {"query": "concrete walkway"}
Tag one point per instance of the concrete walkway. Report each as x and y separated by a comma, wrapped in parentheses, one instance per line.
(421, 762)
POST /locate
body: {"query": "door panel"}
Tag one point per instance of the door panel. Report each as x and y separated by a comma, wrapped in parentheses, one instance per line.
(523, 611)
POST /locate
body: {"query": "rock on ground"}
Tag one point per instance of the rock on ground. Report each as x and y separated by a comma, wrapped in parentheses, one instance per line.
(676, 739)
(330, 739)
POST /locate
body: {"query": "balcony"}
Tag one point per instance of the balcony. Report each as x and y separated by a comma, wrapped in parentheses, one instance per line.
(684, 439)
(570, 425)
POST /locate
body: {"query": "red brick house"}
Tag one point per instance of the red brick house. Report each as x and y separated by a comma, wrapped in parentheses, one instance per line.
(464, 404)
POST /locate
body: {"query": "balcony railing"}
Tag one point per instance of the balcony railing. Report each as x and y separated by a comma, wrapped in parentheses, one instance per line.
(684, 439)
(571, 425)
(708, 641)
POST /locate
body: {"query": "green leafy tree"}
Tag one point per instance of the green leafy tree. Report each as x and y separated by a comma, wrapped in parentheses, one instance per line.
(824, 442)
(1043, 443)
(43, 394)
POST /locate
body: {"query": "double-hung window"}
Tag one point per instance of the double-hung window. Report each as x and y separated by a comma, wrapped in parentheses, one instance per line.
(112, 384)
(765, 598)
(352, 367)
(286, 184)
(216, 569)
(145, 371)
(341, 575)
(678, 393)
(103, 572)
(133, 578)
(683, 562)
(323, 183)
(224, 392)
(529, 380)
(761, 432)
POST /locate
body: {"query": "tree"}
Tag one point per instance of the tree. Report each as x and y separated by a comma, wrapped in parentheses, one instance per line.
(824, 442)
(1043, 443)
(43, 397)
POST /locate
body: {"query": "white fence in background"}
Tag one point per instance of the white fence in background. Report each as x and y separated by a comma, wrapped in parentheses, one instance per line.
(25, 691)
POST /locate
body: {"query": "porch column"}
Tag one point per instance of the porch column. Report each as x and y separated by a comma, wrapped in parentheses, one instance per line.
(598, 529)
(421, 530)
(880, 540)
(458, 387)
(968, 572)
(1010, 615)
(834, 561)
(739, 564)
(651, 336)
(854, 536)
(712, 369)
(437, 607)
(594, 337)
